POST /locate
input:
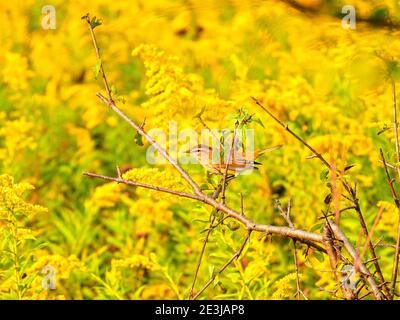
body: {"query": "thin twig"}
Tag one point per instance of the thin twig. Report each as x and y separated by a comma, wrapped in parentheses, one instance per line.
(96, 48)
(205, 242)
(208, 128)
(309, 238)
(286, 216)
(223, 184)
(231, 151)
(397, 204)
(286, 127)
(236, 255)
(110, 102)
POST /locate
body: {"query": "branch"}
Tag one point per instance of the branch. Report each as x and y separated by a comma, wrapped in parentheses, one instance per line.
(96, 47)
(367, 235)
(205, 241)
(396, 135)
(397, 204)
(110, 102)
(309, 238)
(286, 216)
(236, 255)
(160, 149)
(286, 127)
(360, 265)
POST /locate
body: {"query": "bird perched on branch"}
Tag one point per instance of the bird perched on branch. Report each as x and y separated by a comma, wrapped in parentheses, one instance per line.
(214, 161)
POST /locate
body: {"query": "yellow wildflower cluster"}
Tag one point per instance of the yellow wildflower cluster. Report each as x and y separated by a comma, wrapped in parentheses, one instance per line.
(12, 203)
(136, 261)
(284, 287)
(106, 195)
(16, 73)
(17, 137)
(154, 176)
(175, 94)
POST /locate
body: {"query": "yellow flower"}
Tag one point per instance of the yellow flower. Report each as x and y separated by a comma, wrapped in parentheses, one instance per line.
(175, 94)
(137, 261)
(154, 176)
(283, 287)
(15, 72)
(106, 195)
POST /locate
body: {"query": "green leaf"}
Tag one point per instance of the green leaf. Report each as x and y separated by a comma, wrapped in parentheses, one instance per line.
(319, 256)
(317, 226)
(97, 68)
(324, 174)
(258, 120)
(95, 22)
(138, 139)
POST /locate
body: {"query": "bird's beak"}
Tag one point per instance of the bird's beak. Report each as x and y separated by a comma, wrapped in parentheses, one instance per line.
(187, 151)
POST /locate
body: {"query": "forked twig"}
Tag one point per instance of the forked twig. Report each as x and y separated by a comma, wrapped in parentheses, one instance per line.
(288, 219)
(286, 127)
(236, 255)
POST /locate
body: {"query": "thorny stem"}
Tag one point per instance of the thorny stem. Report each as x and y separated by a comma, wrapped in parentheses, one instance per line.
(364, 228)
(396, 135)
(360, 265)
(397, 204)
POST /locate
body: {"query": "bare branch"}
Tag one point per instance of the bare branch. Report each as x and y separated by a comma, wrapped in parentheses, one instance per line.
(139, 128)
(160, 149)
(286, 127)
(309, 238)
(205, 241)
(360, 265)
(396, 135)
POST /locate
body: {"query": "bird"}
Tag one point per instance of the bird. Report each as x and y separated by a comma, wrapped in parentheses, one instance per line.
(238, 161)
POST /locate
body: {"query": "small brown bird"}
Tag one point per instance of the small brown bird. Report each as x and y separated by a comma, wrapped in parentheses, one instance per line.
(238, 161)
